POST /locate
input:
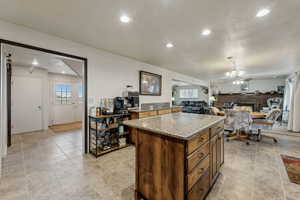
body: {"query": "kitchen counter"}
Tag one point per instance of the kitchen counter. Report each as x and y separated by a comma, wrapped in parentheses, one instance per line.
(178, 125)
(178, 155)
(148, 110)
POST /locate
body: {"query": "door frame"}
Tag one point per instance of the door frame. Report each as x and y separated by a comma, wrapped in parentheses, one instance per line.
(85, 77)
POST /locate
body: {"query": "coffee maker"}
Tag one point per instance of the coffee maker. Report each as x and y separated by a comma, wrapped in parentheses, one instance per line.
(119, 105)
(132, 100)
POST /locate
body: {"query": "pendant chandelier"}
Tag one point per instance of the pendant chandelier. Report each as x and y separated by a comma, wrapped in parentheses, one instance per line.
(235, 73)
(239, 82)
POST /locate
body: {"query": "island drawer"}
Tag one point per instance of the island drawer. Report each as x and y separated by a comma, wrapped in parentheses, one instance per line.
(200, 189)
(197, 141)
(147, 114)
(216, 129)
(197, 172)
(197, 156)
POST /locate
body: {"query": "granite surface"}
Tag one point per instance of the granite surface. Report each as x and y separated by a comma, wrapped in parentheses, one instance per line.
(155, 106)
(155, 109)
(178, 125)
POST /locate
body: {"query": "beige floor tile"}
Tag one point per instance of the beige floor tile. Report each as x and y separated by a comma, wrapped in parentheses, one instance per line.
(47, 166)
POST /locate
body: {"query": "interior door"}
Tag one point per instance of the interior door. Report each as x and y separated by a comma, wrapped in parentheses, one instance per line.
(26, 107)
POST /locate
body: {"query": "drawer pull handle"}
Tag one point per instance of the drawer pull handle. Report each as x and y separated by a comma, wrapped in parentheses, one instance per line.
(201, 170)
(201, 139)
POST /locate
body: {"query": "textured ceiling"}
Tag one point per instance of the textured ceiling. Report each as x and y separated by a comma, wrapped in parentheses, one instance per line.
(268, 45)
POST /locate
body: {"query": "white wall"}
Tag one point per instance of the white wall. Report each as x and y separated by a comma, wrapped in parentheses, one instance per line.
(107, 73)
(64, 113)
(262, 85)
(201, 95)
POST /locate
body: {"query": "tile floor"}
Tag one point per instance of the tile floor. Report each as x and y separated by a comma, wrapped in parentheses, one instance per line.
(47, 165)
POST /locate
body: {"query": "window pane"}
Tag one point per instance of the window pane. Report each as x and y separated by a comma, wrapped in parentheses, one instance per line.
(58, 94)
(69, 95)
(188, 93)
(80, 91)
(68, 88)
(63, 94)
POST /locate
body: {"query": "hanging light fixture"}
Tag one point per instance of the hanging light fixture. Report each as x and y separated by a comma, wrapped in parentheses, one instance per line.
(238, 82)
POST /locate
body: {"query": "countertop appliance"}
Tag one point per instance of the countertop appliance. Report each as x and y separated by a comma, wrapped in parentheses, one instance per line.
(132, 99)
(119, 105)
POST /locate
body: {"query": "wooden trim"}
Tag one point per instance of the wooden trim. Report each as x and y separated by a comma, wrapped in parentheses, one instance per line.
(85, 60)
(186, 189)
(86, 142)
(136, 166)
(140, 83)
(41, 49)
(8, 100)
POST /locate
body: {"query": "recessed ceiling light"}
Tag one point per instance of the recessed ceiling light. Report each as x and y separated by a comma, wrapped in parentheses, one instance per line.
(206, 32)
(263, 12)
(125, 19)
(63, 72)
(35, 62)
(169, 45)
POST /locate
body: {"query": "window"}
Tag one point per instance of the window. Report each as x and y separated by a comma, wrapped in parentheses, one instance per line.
(188, 93)
(80, 91)
(63, 94)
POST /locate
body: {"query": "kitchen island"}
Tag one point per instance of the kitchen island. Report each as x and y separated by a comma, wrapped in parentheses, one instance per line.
(178, 155)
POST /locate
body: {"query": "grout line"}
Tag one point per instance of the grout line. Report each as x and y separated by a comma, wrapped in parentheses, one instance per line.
(24, 170)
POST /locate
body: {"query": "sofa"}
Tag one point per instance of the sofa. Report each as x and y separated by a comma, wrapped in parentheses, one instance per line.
(200, 107)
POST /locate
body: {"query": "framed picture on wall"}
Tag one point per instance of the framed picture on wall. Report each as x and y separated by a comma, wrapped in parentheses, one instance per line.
(150, 84)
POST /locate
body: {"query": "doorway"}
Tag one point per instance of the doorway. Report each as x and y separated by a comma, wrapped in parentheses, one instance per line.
(193, 98)
(26, 95)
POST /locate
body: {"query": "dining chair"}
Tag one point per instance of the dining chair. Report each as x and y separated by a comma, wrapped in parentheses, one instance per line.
(267, 123)
(239, 122)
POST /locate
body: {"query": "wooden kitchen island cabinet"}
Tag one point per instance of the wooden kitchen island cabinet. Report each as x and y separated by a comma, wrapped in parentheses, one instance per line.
(178, 156)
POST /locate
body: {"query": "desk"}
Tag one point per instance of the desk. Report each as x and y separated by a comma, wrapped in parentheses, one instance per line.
(254, 115)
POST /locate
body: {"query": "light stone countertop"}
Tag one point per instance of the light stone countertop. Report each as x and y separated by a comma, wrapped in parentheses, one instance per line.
(178, 125)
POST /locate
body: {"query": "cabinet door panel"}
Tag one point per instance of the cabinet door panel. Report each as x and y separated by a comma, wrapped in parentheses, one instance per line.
(213, 154)
(222, 148)
(218, 153)
(200, 189)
